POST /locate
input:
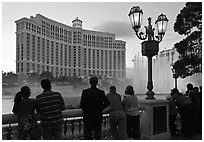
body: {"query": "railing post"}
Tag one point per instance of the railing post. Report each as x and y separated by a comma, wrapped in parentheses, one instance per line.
(65, 129)
(9, 132)
(79, 126)
(72, 128)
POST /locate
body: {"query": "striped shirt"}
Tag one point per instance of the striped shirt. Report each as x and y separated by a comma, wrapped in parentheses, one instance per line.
(50, 105)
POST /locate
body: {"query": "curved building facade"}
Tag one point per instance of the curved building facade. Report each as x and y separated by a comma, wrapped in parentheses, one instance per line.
(43, 44)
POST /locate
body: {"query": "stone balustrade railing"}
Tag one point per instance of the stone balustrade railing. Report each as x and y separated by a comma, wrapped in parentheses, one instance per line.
(72, 128)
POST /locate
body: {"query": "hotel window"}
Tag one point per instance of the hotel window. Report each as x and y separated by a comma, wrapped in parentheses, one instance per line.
(61, 71)
(110, 73)
(48, 52)
(106, 42)
(79, 56)
(97, 41)
(21, 51)
(85, 56)
(85, 73)
(65, 71)
(110, 59)
(52, 52)
(52, 69)
(97, 59)
(57, 73)
(33, 48)
(85, 40)
(119, 57)
(69, 72)
(94, 58)
(93, 41)
(65, 55)
(114, 59)
(69, 36)
(28, 67)
(123, 59)
(61, 54)
(33, 67)
(70, 53)
(79, 72)
(21, 67)
(114, 74)
(38, 68)
(47, 68)
(28, 46)
(74, 56)
(106, 59)
(89, 58)
(101, 59)
(43, 50)
(57, 53)
(38, 49)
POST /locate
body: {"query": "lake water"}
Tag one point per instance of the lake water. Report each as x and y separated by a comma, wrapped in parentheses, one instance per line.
(7, 102)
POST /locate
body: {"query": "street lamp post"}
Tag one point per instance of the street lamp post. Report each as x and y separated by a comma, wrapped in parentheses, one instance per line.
(175, 76)
(150, 47)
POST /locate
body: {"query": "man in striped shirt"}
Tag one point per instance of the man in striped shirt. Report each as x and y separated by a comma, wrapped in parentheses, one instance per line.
(50, 105)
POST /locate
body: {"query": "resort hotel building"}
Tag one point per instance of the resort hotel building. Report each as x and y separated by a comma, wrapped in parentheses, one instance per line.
(43, 44)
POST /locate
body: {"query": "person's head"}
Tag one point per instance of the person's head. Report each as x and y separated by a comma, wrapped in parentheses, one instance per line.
(196, 89)
(93, 81)
(22, 94)
(113, 89)
(46, 84)
(189, 86)
(25, 92)
(129, 90)
(174, 91)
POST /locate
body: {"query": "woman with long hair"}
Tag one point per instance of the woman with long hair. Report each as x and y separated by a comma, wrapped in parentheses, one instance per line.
(130, 104)
(24, 109)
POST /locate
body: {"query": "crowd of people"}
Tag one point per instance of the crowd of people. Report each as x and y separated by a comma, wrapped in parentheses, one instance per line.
(188, 107)
(124, 115)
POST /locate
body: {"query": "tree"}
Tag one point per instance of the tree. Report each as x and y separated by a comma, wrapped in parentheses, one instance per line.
(46, 75)
(189, 23)
(33, 77)
(9, 77)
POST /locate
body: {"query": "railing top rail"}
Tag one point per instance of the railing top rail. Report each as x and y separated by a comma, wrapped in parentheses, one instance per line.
(71, 113)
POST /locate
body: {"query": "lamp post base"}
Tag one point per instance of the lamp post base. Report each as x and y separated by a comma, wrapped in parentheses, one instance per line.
(150, 95)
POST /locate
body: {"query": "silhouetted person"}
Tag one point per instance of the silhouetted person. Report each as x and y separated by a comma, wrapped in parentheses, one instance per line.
(200, 110)
(187, 112)
(93, 102)
(131, 107)
(172, 115)
(196, 101)
(189, 87)
(50, 105)
(24, 109)
(193, 95)
(117, 115)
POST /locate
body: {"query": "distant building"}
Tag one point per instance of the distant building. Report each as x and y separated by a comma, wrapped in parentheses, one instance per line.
(162, 75)
(43, 44)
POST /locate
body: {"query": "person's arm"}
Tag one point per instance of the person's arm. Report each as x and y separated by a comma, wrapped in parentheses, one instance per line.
(37, 105)
(82, 101)
(124, 101)
(62, 103)
(15, 109)
(106, 102)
